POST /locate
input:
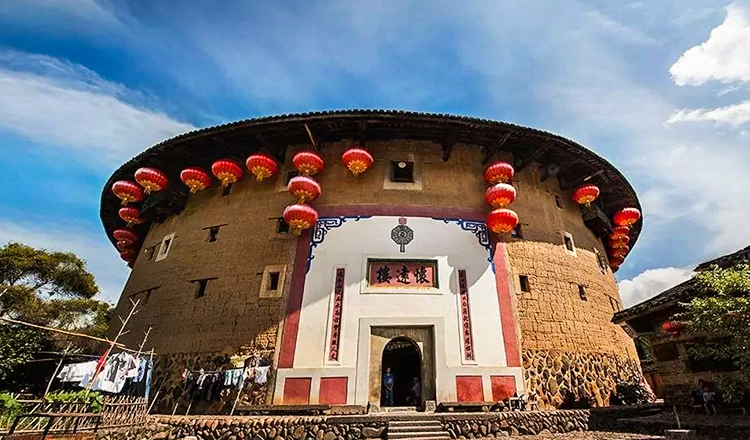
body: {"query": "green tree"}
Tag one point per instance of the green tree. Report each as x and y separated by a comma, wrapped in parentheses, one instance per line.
(45, 288)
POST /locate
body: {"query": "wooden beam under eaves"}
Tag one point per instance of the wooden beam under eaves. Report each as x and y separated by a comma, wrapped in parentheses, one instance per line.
(448, 142)
(582, 180)
(527, 160)
(362, 132)
(489, 152)
(313, 141)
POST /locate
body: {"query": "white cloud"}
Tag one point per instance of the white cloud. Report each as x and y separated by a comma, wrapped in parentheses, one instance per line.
(651, 282)
(724, 56)
(64, 105)
(101, 258)
(734, 115)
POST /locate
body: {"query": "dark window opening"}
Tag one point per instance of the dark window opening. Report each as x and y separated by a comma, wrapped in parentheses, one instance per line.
(165, 246)
(524, 280)
(282, 227)
(213, 233)
(290, 175)
(273, 280)
(226, 190)
(201, 286)
(602, 260)
(612, 304)
(517, 232)
(558, 202)
(582, 293)
(569, 243)
(666, 352)
(402, 171)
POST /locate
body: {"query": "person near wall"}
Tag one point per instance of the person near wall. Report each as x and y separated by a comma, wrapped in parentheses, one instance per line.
(388, 381)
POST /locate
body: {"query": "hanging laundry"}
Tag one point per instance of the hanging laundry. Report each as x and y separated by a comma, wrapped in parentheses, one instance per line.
(118, 369)
(261, 375)
(76, 372)
(233, 377)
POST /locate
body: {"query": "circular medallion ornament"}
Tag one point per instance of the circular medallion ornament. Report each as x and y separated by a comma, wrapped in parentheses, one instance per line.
(308, 163)
(127, 191)
(151, 179)
(619, 242)
(357, 160)
(586, 194)
(499, 172)
(300, 217)
(125, 235)
(304, 189)
(131, 215)
(502, 220)
(226, 171)
(620, 251)
(500, 195)
(261, 166)
(627, 216)
(402, 235)
(620, 231)
(128, 255)
(195, 178)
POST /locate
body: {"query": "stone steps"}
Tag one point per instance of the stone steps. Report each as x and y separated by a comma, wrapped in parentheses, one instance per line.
(416, 430)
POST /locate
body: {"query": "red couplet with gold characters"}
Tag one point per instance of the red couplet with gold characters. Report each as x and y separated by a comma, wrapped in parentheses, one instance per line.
(499, 172)
(151, 179)
(131, 215)
(300, 217)
(500, 195)
(357, 160)
(127, 191)
(227, 171)
(627, 216)
(261, 166)
(308, 163)
(585, 194)
(195, 178)
(125, 236)
(502, 220)
(304, 189)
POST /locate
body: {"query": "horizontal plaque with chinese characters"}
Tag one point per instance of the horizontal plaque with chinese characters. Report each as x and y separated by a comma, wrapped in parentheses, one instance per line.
(393, 274)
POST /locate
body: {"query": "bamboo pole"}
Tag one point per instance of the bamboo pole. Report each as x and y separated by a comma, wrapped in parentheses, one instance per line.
(239, 392)
(59, 364)
(64, 332)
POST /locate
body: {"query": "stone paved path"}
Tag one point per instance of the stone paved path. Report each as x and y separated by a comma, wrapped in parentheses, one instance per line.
(588, 435)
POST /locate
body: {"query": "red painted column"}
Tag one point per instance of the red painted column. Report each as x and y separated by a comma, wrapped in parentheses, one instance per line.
(294, 302)
(507, 317)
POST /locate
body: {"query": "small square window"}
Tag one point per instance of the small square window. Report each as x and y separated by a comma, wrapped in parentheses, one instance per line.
(213, 233)
(558, 202)
(200, 289)
(272, 283)
(289, 176)
(166, 245)
(524, 281)
(226, 190)
(273, 280)
(568, 242)
(582, 292)
(517, 232)
(282, 227)
(402, 172)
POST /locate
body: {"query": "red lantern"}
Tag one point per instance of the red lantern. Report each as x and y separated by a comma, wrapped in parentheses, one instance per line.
(620, 251)
(616, 260)
(261, 166)
(502, 220)
(127, 191)
(357, 160)
(196, 179)
(500, 195)
(499, 172)
(308, 163)
(672, 326)
(128, 256)
(614, 268)
(151, 179)
(300, 217)
(226, 171)
(125, 236)
(627, 216)
(304, 189)
(619, 242)
(123, 246)
(131, 215)
(620, 231)
(586, 194)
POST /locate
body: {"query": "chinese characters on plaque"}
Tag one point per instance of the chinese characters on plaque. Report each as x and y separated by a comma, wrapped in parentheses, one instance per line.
(418, 274)
(338, 299)
(463, 291)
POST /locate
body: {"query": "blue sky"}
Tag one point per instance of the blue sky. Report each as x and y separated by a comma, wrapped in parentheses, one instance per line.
(661, 90)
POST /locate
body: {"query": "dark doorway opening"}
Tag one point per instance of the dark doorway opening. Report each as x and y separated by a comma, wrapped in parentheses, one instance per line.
(403, 357)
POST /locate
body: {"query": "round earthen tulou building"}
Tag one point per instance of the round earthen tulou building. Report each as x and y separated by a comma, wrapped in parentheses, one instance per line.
(386, 258)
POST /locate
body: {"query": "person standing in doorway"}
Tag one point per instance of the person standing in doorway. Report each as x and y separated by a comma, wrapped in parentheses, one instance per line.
(388, 382)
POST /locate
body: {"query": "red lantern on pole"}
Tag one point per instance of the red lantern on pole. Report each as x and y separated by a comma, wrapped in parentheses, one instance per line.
(357, 160)
(304, 189)
(300, 217)
(627, 216)
(226, 171)
(261, 166)
(620, 231)
(195, 178)
(586, 194)
(619, 242)
(619, 251)
(499, 172)
(131, 215)
(125, 236)
(151, 179)
(502, 220)
(500, 195)
(127, 191)
(308, 163)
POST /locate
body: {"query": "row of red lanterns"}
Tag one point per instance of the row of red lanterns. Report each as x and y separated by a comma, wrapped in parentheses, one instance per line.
(499, 195)
(620, 237)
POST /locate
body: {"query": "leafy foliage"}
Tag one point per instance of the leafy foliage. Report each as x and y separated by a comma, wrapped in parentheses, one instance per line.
(630, 393)
(9, 409)
(44, 288)
(734, 389)
(91, 398)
